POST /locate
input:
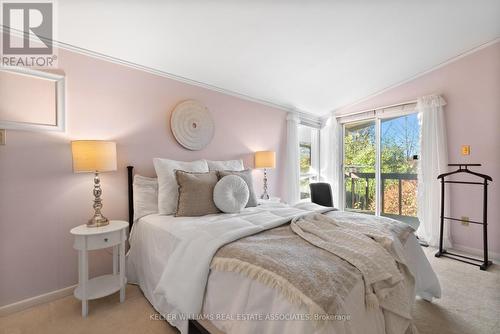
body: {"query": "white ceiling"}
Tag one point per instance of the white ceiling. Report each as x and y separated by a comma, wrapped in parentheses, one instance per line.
(315, 56)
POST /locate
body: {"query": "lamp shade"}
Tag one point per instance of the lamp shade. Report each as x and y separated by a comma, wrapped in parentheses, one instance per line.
(265, 159)
(93, 156)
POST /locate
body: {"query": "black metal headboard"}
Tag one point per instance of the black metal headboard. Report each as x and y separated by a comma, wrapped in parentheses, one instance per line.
(130, 176)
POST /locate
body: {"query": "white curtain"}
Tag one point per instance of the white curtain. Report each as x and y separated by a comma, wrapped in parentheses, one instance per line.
(433, 161)
(315, 147)
(292, 167)
(330, 164)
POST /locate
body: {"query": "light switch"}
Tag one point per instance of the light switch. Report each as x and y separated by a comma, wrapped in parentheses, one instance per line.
(465, 150)
(2, 137)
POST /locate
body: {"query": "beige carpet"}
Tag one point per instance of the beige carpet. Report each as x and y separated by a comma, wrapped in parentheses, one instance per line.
(470, 305)
(470, 302)
(106, 316)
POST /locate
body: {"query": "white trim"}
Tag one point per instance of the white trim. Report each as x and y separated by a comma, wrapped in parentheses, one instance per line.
(393, 110)
(60, 93)
(375, 120)
(310, 120)
(399, 110)
(418, 75)
(378, 167)
(492, 256)
(315, 169)
(30, 72)
(37, 300)
(341, 185)
(357, 117)
(171, 76)
(242, 96)
(382, 108)
(376, 116)
(160, 73)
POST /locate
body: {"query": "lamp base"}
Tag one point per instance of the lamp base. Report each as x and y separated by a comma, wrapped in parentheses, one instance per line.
(98, 221)
(265, 195)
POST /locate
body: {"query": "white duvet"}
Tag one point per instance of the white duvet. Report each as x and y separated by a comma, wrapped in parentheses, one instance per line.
(170, 258)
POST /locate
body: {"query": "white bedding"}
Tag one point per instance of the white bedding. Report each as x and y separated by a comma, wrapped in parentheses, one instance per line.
(230, 295)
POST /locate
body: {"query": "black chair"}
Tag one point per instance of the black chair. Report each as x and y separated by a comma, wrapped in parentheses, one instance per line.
(321, 194)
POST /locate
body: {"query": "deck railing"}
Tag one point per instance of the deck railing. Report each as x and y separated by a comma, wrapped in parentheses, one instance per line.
(360, 200)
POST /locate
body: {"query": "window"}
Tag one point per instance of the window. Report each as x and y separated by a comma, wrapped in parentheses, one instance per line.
(399, 151)
(359, 166)
(380, 166)
(309, 159)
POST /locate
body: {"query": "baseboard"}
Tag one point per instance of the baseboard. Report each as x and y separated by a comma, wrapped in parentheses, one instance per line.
(57, 294)
(37, 300)
(495, 257)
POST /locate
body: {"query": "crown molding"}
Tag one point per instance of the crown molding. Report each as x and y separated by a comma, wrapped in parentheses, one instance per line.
(418, 75)
(268, 103)
(171, 76)
(160, 73)
(309, 119)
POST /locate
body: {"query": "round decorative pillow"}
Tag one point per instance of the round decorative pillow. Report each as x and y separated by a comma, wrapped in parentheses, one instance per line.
(231, 194)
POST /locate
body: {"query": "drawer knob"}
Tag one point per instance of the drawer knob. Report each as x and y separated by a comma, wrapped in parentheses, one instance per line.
(105, 239)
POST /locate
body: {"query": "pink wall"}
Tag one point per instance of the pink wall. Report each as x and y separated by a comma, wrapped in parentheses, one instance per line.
(41, 199)
(471, 87)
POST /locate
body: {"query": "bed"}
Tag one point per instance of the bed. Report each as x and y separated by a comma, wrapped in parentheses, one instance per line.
(234, 303)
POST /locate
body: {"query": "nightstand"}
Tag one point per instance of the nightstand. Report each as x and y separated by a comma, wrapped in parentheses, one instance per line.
(92, 238)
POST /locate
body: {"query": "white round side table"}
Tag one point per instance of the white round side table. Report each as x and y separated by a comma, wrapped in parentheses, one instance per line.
(92, 238)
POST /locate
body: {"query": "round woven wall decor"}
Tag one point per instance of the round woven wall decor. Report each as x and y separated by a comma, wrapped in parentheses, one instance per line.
(192, 125)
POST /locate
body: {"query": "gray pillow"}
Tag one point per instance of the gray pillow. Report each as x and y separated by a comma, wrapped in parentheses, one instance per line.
(246, 175)
(196, 193)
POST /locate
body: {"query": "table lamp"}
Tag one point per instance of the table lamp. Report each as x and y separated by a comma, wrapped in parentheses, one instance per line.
(265, 160)
(94, 156)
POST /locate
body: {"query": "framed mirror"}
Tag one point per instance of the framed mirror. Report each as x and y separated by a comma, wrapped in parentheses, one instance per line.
(31, 100)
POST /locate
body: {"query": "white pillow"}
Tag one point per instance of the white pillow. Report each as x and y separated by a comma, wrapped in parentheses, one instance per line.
(229, 165)
(231, 194)
(145, 196)
(168, 193)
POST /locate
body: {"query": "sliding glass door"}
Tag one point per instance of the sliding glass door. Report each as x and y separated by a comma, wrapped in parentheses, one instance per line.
(359, 167)
(380, 166)
(400, 148)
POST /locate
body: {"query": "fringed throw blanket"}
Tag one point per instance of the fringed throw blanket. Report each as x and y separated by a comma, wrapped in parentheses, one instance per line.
(317, 260)
(281, 259)
(368, 243)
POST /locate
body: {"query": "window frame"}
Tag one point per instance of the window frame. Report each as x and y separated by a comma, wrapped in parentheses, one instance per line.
(315, 157)
(377, 116)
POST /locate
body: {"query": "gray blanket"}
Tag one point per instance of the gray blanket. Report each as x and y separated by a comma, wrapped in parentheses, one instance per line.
(303, 272)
